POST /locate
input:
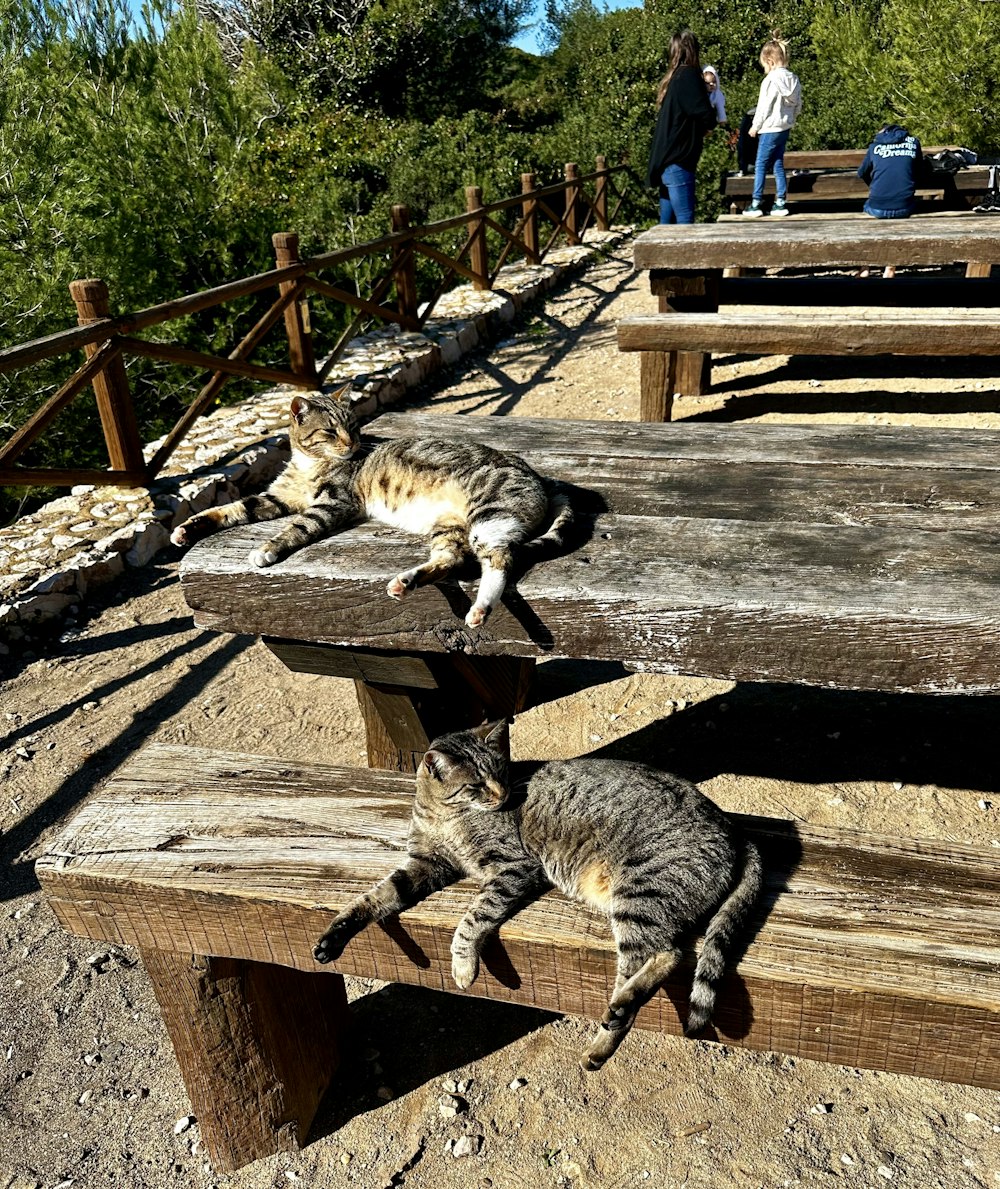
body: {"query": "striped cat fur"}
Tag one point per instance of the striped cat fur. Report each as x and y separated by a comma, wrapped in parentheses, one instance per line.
(467, 498)
(643, 846)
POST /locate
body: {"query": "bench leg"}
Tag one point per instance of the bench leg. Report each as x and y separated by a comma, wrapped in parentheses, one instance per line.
(257, 1045)
(978, 269)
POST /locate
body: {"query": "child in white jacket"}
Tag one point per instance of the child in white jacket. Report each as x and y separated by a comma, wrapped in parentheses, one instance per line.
(779, 102)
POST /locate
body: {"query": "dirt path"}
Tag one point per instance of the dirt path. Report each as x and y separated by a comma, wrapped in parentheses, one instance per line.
(90, 1089)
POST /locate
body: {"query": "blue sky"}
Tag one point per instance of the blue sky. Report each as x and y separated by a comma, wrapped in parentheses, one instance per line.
(528, 40)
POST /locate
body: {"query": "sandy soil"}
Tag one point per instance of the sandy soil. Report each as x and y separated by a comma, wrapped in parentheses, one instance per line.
(91, 1094)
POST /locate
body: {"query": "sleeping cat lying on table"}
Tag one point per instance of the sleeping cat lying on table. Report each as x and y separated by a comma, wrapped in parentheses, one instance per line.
(645, 847)
(467, 498)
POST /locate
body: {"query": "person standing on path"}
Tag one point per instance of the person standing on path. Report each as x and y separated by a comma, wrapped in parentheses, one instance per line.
(779, 102)
(685, 117)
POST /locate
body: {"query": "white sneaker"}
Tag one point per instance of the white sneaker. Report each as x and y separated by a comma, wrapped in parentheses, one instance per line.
(778, 207)
(753, 211)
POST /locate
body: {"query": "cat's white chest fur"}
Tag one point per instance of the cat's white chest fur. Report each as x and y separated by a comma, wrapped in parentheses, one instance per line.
(420, 514)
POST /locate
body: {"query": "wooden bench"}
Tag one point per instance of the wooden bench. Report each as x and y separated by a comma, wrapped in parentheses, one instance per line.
(224, 869)
(817, 331)
(841, 188)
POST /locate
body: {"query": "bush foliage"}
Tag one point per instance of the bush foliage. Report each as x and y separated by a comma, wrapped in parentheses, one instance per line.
(160, 151)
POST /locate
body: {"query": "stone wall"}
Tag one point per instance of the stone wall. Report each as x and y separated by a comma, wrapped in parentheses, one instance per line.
(51, 560)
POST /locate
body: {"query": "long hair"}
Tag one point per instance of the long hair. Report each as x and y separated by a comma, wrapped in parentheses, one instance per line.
(684, 51)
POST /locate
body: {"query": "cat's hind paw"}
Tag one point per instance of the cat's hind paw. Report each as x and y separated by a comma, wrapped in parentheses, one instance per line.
(333, 942)
(464, 969)
(477, 615)
(179, 536)
(398, 588)
(262, 558)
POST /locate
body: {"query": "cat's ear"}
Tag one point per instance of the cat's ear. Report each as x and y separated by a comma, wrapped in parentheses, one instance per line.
(298, 409)
(343, 392)
(438, 765)
(496, 735)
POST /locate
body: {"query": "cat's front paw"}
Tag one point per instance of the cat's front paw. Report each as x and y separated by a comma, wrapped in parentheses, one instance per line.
(263, 557)
(334, 941)
(179, 536)
(464, 968)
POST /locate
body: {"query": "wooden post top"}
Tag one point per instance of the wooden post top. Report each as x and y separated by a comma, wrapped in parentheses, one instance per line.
(787, 243)
(852, 557)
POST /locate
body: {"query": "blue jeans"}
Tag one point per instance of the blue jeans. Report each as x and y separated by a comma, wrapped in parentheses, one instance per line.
(877, 213)
(678, 206)
(770, 153)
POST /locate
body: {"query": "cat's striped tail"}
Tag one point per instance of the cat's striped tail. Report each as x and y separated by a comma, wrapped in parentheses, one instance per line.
(723, 927)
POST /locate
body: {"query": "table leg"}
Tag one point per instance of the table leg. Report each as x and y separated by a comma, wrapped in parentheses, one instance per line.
(257, 1045)
(408, 698)
(692, 376)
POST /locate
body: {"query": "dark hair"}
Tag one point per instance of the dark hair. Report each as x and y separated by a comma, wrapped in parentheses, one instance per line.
(684, 51)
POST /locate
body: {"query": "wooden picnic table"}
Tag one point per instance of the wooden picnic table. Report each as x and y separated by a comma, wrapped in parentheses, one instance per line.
(841, 556)
(687, 264)
(844, 556)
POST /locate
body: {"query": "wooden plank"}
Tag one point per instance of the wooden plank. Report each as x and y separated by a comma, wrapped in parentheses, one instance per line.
(731, 599)
(787, 243)
(840, 158)
(815, 332)
(372, 665)
(246, 857)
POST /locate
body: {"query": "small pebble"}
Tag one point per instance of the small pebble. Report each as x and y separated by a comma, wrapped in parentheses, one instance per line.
(822, 1108)
(467, 1145)
(450, 1085)
(346, 1158)
(985, 804)
(884, 1170)
(89, 706)
(897, 784)
(183, 1124)
(972, 1117)
(517, 1083)
(845, 1159)
(384, 1093)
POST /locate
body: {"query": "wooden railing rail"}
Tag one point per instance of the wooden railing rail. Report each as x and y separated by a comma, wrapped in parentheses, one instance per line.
(108, 339)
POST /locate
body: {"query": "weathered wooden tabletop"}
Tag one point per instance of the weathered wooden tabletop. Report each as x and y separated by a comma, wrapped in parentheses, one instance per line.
(812, 244)
(841, 556)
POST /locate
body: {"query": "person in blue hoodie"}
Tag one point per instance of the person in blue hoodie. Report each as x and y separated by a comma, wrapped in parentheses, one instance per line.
(892, 168)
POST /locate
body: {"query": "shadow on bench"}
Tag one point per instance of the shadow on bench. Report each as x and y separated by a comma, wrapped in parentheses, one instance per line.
(224, 869)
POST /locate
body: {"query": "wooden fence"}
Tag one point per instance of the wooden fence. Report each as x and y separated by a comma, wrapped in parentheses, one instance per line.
(107, 340)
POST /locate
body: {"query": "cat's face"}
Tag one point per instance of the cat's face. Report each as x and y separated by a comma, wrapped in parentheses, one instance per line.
(468, 768)
(324, 427)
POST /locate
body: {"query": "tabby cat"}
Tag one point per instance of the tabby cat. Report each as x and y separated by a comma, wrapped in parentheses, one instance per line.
(467, 498)
(647, 848)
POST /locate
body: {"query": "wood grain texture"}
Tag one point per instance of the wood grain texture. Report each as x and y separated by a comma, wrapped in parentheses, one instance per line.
(869, 951)
(834, 244)
(841, 556)
(816, 331)
(257, 1044)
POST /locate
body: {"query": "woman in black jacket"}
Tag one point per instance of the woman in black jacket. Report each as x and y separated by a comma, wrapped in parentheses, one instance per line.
(686, 116)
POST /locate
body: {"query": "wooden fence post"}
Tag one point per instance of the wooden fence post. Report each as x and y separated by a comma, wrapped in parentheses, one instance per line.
(114, 400)
(479, 260)
(529, 212)
(601, 195)
(572, 191)
(297, 324)
(405, 270)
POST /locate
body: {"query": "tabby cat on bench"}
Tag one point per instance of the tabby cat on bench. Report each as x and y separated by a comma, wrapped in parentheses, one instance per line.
(467, 498)
(645, 847)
